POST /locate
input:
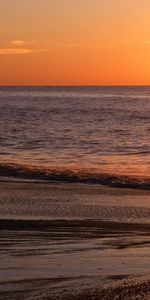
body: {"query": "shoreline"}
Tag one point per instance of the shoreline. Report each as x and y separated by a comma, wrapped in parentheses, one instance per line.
(101, 251)
(111, 288)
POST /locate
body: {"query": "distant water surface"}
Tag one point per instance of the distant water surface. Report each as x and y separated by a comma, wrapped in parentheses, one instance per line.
(76, 133)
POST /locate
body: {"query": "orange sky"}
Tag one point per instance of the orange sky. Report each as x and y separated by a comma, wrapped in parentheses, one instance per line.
(74, 42)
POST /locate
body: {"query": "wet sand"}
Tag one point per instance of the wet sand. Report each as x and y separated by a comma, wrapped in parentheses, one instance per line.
(101, 251)
(115, 288)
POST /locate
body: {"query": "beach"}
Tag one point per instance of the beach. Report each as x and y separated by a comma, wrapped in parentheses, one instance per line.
(73, 241)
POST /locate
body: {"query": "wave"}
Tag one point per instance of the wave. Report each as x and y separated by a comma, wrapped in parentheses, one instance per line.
(86, 176)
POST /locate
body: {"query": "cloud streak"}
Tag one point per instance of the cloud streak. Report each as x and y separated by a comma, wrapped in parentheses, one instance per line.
(15, 51)
(23, 42)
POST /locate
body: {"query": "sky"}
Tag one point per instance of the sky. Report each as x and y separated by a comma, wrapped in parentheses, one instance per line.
(74, 42)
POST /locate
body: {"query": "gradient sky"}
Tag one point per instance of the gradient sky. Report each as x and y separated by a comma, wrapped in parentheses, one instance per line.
(74, 42)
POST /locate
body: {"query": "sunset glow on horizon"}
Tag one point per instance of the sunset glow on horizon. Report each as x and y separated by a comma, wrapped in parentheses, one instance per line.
(75, 42)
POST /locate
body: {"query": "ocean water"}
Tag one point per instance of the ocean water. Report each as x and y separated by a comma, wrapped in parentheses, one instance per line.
(76, 134)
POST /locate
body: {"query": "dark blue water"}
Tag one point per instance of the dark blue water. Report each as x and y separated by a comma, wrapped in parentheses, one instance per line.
(76, 133)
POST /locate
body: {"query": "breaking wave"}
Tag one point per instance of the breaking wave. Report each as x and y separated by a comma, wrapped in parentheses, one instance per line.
(11, 172)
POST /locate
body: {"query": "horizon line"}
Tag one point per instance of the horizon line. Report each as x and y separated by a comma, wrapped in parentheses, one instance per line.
(66, 85)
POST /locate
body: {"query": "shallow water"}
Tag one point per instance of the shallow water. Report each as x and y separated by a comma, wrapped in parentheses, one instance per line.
(41, 201)
(64, 237)
(52, 231)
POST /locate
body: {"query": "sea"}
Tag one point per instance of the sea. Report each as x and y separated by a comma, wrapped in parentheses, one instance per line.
(75, 193)
(76, 134)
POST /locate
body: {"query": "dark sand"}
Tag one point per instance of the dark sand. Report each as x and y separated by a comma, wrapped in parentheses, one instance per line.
(100, 252)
